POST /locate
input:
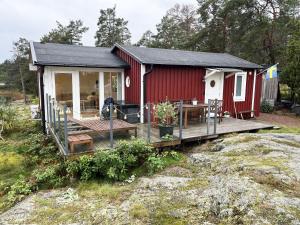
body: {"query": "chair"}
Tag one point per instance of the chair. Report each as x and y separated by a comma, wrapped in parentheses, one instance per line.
(215, 106)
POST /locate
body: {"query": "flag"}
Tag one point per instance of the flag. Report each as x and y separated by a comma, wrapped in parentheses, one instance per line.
(271, 72)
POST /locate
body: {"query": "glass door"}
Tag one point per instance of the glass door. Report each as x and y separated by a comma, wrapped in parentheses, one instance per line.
(113, 85)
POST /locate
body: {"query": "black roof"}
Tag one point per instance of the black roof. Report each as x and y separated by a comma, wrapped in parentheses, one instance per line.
(161, 56)
(50, 54)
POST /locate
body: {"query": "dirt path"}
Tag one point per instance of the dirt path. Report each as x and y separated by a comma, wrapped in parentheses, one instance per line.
(243, 179)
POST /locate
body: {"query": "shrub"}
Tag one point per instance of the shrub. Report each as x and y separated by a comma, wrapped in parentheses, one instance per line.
(155, 163)
(19, 190)
(50, 176)
(266, 107)
(8, 116)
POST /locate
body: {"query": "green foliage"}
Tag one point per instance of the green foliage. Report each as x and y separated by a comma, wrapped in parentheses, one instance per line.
(266, 107)
(50, 176)
(19, 190)
(69, 34)
(291, 69)
(8, 117)
(111, 29)
(155, 163)
(166, 113)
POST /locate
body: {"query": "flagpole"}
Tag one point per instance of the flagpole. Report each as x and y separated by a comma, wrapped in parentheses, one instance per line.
(266, 69)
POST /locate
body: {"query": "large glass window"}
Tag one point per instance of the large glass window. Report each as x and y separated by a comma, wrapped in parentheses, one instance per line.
(113, 85)
(63, 89)
(89, 93)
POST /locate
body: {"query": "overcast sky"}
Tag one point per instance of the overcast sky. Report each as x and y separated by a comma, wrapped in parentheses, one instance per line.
(33, 18)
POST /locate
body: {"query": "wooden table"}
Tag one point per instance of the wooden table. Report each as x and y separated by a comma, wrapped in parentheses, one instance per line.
(189, 107)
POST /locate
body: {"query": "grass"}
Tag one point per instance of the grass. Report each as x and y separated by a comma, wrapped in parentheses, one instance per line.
(139, 211)
(196, 184)
(11, 168)
(288, 143)
(107, 191)
(292, 130)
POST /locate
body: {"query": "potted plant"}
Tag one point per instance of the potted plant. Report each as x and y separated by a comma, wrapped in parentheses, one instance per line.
(166, 114)
(194, 101)
(226, 114)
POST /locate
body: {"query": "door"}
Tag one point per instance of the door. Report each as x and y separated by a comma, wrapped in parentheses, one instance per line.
(214, 86)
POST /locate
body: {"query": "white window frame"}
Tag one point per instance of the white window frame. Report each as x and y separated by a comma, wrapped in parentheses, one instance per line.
(243, 91)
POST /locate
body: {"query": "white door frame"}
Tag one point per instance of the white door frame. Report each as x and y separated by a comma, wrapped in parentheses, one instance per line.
(209, 74)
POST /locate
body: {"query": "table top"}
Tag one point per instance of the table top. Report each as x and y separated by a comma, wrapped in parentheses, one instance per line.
(200, 105)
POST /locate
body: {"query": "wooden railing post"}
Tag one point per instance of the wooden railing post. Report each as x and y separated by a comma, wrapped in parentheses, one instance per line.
(66, 130)
(216, 114)
(111, 125)
(208, 115)
(180, 119)
(149, 122)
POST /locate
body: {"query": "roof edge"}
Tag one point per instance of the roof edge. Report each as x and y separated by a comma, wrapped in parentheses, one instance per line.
(33, 55)
(126, 51)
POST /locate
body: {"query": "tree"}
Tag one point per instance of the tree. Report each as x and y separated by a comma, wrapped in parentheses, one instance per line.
(291, 69)
(147, 39)
(254, 30)
(111, 29)
(176, 29)
(70, 34)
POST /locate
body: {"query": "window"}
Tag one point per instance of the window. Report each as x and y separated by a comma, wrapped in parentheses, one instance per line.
(113, 85)
(240, 86)
(63, 89)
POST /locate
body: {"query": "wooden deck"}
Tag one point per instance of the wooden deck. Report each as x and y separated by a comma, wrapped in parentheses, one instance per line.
(194, 132)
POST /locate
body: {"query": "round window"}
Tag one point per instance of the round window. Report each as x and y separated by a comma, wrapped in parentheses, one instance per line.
(212, 83)
(127, 81)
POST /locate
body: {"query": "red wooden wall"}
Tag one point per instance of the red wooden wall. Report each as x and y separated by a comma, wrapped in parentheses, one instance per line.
(244, 105)
(132, 93)
(175, 83)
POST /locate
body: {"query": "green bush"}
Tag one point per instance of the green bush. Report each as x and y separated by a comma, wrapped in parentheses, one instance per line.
(155, 163)
(19, 190)
(50, 176)
(8, 116)
(266, 107)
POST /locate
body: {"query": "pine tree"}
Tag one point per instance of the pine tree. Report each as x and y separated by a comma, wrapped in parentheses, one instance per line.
(70, 34)
(111, 29)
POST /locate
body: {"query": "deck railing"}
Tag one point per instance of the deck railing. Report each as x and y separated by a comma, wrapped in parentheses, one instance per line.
(57, 123)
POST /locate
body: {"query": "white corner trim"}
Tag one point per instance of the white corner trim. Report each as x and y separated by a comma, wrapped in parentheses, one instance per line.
(253, 93)
(143, 70)
(123, 85)
(33, 55)
(243, 91)
(210, 73)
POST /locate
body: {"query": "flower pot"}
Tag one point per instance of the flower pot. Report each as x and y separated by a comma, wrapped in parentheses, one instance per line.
(164, 130)
(194, 102)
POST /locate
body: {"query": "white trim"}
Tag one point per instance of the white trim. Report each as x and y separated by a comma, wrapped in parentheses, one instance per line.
(101, 91)
(76, 94)
(218, 89)
(243, 91)
(61, 69)
(253, 94)
(33, 55)
(143, 70)
(211, 73)
(123, 85)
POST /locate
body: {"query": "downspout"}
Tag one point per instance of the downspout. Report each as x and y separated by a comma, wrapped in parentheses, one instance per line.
(42, 102)
(253, 94)
(143, 91)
